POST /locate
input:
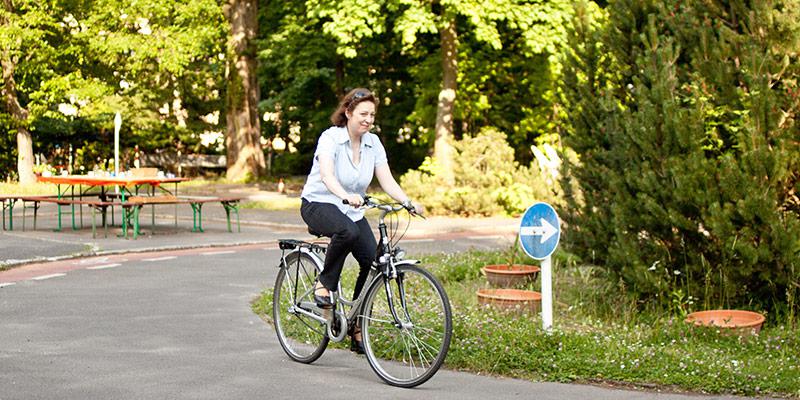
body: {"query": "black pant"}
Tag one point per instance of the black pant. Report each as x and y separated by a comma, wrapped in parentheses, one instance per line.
(346, 237)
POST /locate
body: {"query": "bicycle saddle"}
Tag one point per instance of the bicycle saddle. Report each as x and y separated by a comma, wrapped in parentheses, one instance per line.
(315, 233)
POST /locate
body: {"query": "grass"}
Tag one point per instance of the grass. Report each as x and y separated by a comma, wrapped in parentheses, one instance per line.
(601, 337)
(277, 204)
(27, 190)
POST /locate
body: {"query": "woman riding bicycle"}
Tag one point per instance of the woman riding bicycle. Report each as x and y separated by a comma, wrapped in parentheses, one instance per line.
(346, 158)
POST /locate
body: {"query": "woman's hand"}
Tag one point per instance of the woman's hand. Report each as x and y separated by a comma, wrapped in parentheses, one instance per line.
(354, 200)
(414, 207)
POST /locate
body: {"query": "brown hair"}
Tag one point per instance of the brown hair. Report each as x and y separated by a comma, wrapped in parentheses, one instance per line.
(349, 103)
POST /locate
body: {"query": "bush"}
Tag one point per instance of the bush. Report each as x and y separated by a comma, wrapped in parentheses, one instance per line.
(487, 180)
(688, 156)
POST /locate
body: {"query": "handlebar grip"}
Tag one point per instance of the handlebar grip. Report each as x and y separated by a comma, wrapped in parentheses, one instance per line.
(366, 199)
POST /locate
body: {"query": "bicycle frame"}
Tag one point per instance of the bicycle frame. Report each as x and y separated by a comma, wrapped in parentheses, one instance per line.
(383, 267)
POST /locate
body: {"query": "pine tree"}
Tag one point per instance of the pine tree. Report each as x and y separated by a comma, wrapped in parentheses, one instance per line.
(688, 150)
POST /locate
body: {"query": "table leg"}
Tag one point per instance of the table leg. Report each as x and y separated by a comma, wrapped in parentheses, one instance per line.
(124, 215)
(80, 207)
(10, 214)
(152, 209)
(72, 198)
(58, 206)
(197, 217)
(176, 206)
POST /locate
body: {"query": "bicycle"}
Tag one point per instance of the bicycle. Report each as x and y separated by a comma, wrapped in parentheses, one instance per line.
(403, 310)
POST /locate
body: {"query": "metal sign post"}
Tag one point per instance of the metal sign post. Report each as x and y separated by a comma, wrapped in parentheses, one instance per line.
(117, 126)
(539, 233)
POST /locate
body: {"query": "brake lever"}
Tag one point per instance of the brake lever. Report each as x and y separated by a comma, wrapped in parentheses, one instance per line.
(418, 215)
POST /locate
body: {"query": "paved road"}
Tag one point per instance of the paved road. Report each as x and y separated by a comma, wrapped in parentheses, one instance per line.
(178, 325)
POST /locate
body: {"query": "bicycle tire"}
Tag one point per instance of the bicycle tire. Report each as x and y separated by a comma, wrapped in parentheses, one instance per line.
(407, 356)
(302, 338)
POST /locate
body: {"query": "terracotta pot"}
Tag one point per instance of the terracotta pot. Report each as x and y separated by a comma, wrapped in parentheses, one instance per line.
(504, 275)
(511, 299)
(733, 321)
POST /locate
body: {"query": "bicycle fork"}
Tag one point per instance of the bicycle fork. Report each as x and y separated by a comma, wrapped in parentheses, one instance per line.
(399, 323)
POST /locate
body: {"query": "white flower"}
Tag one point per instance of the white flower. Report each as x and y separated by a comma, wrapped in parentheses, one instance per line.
(68, 109)
(209, 138)
(144, 26)
(676, 272)
(701, 229)
(70, 20)
(278, 144)
(271, 116)
(211, 118)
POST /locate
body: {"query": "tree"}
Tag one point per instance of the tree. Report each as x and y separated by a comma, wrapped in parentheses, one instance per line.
(76, 63)
(443, 147)
(541, 25)
(243, 138)
(683, 118)
(303, 74)
(24, 29)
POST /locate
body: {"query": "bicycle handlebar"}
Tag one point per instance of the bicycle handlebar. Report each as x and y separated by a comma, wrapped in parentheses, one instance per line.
(388, 207)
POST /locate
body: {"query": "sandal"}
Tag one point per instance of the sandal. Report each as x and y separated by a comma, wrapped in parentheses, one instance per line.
(356, 346)
(323, 300)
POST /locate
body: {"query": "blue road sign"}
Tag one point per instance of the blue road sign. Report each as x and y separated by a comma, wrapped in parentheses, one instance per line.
(539, 231)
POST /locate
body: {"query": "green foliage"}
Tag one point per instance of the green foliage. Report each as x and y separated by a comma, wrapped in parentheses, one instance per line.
(590, 342)
(487, 180)
(302, 77)
(462, 267)
(8, 141)
(393, 48)
(683, 122)
(598, 337)
(79, 62)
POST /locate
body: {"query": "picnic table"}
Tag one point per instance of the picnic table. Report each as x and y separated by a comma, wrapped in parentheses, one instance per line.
(125, 183)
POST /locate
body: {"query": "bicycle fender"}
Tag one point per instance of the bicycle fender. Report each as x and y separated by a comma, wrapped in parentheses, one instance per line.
(309, 253)
(407, 262)
(313, 257)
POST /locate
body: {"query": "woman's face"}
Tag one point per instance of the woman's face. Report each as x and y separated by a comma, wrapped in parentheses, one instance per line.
(360, 120)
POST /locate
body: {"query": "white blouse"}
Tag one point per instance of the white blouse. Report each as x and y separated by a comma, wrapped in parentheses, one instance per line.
(335, 142)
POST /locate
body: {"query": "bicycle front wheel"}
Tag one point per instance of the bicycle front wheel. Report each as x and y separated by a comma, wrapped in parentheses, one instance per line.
(408, 351)
(304, 339)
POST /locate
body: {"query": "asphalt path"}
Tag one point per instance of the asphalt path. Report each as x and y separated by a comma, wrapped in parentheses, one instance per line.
(178, 325)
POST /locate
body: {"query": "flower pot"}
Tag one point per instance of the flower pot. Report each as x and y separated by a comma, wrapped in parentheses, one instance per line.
(730, 321)
(511, 299)
(504, 275)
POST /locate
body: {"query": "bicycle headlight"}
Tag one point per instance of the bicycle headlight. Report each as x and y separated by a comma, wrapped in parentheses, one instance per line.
(399, 254)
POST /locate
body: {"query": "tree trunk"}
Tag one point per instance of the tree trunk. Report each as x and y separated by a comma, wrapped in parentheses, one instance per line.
(243, 137)
(20, 118)
(442, 147)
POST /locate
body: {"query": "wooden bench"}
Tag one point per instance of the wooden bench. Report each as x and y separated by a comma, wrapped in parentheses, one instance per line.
(8, 202)
(230, 204)
(132, 205)
(96, 205)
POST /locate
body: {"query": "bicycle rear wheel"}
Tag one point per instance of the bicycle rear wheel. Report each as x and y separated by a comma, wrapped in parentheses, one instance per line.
(410, 354)
(302, 338)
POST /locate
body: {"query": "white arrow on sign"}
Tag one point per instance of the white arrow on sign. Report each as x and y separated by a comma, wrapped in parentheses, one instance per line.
(545, 230)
